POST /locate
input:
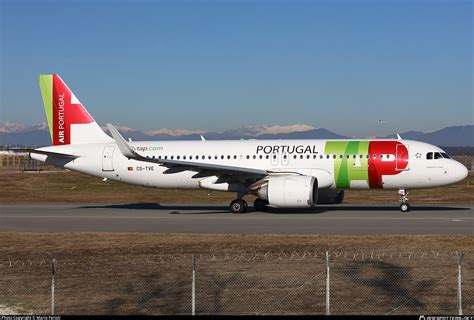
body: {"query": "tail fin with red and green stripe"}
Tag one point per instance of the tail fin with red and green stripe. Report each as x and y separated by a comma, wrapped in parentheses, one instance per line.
(68, 120)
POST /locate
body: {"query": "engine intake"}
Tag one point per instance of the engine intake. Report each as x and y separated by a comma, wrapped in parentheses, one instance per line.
(290, 192)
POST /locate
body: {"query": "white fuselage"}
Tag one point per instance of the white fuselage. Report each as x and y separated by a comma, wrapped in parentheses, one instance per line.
(306, 157)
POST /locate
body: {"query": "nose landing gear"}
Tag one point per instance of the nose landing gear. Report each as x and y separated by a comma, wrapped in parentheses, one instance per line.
(404, 206)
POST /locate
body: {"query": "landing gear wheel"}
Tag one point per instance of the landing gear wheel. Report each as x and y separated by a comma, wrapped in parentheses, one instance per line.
(405, 207)
(260, 205)
(238, 206)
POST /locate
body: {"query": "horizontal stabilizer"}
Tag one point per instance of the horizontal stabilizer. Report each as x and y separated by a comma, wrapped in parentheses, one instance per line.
(52, 154)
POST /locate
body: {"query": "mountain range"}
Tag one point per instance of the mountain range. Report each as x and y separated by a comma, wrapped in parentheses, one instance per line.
(18, 134)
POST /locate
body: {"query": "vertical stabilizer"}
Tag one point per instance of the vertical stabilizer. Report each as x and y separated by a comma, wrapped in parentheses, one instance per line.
(68, 120)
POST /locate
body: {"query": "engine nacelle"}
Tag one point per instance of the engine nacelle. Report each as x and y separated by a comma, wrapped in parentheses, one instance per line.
(290, 192)
(330, 196)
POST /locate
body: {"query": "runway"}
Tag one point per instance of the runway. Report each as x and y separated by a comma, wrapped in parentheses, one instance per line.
(211, 219)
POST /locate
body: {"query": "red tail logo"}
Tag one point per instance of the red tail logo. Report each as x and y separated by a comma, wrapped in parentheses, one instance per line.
(67, 110)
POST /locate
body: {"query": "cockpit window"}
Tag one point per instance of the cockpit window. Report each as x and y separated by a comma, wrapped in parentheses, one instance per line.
(438, 155)
(429, 155)
(445, 155)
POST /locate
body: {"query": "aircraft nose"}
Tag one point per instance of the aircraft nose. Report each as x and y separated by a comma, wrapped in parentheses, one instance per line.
(460, 171)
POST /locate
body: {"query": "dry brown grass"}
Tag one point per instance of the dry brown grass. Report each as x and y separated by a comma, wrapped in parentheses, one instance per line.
(151, 273)
(65, 186)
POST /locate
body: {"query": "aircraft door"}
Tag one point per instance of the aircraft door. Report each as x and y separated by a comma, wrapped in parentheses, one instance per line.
(107, 159)
(401, 157)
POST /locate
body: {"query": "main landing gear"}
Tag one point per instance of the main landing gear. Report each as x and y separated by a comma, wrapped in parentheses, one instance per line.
(404, 206)
(260, 205)
(238, 206)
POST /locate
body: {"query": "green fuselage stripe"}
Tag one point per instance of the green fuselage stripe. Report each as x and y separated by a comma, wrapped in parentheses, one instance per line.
(348, 169)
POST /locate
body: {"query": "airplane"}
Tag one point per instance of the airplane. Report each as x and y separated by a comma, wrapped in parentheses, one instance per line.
(280, 173)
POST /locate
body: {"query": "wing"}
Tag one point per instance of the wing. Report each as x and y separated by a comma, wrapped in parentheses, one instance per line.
(128, 152)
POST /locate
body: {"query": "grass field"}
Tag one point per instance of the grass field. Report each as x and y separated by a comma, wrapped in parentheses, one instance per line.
(65, 186)
(151, 273)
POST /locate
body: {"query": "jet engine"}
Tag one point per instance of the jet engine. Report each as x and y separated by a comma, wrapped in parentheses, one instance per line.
(330, 196)
(290, 192)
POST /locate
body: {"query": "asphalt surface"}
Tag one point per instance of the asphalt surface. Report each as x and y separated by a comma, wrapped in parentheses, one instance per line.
(341, 219)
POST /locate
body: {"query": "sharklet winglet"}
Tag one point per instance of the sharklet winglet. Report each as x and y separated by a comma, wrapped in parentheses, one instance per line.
(122, 144)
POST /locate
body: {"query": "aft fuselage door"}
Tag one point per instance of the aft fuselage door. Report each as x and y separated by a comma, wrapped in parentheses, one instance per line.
(108, 159)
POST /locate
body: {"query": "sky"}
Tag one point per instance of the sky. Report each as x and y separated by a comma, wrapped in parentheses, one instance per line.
(218, 65)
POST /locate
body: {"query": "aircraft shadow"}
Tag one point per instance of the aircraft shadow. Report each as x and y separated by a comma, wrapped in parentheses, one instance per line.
(217, 209)
(175, 209)
(379, 208)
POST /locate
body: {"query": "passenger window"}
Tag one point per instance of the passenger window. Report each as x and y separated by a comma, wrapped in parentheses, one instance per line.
(307, 157)
(172, 157)
(429, 155)
(354, 156)
(274, 156)
(314, 157)
(284, 156)
(347, 156)
(260, 156)
(374, 156)
(294, 157)
(340, 156)
(327, 156)
(301, 156)
(321, 156)
(235, 157)
(334, 156)
(254, 156)
(267, 157)
(367, 156)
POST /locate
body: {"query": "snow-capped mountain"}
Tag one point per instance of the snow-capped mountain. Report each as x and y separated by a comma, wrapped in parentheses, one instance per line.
(173, 132)
(38, 134)
(9, 127)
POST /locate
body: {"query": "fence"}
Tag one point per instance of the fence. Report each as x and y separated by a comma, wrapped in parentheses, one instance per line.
(245, 283)
(21, 161)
